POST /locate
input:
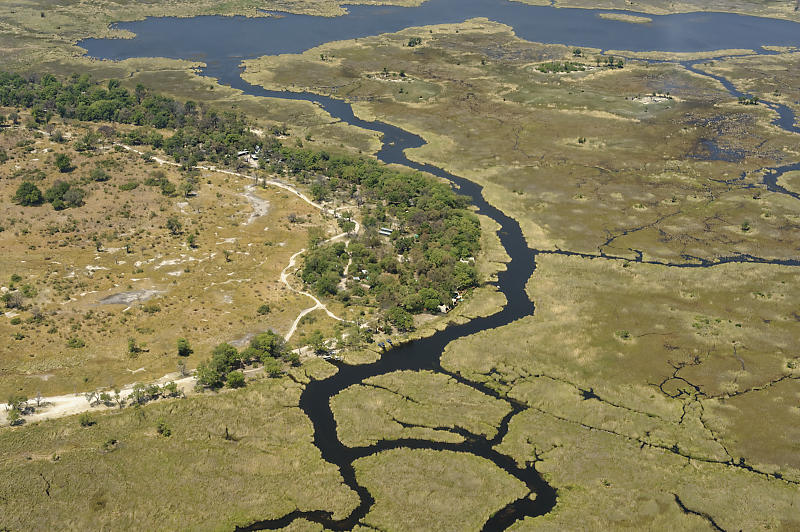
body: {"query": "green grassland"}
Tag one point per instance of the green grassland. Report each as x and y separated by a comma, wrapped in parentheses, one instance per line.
(569, 155)
(120, 473)
(413, 405)
(656, 397)
(654, 381)
(434, 490)
(770, 77)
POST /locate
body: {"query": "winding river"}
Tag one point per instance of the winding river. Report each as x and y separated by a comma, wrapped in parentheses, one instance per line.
(238, 38)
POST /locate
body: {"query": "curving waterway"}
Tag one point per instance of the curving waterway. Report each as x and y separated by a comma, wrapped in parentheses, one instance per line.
(238, 38)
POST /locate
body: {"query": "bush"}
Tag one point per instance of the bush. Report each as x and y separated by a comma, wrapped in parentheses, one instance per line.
(74, 197)
(76, 343)
(273, 368)
(85, 420)
(184, 349)
(63, 163)
(98, 174)
(263, 309)
(130, 185)
(16, 321)
(236, 379)
(163, 429)
(28, 195)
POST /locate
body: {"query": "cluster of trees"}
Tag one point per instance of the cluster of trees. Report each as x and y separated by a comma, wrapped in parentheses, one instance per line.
(752, 100)
(560, 66)
(324, 266)
(200, 133)
(609, 62)
(425, 259)
(416, 269)
(63, 194)
(226, 362)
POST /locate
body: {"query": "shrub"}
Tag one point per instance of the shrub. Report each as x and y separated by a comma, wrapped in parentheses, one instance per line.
(16, 321)
(74, 197)
(85, 420)
(98, 174)
(236, 379)
(273, 368)
(263, 309)
(63, 163)
(184, 349)
(76, 343)
(163, 429)
(28, 195)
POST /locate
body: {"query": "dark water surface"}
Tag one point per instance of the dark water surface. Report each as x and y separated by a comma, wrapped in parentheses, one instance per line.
(215, 37)
(223, 42)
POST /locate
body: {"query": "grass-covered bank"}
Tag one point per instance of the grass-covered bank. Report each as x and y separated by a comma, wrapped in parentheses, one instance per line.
(203, 463)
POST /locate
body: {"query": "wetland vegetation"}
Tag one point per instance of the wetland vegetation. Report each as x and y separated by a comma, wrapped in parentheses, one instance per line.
(651, 219)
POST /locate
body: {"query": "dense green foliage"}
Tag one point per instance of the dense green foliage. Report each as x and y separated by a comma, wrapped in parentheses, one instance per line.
(200, 133)
(28, 194)
(561, 66)
(426, 257)
(63, 194)
(226, 360)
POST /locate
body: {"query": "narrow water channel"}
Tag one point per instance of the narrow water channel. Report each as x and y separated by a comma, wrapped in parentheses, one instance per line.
(239, 38)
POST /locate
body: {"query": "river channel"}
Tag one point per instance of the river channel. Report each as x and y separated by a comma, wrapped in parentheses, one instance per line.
(223, 42)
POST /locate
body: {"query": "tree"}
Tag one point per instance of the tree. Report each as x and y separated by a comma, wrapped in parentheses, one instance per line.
(184, 349)
(98, 174)
(191, 240)
(401, 319)
(56, 193)
(273, 368)
(74, 197)
(168, 188)
(119, 399)
(187, 187)
(174, 225)
(236, 379)
(63, 163)
(269, 345)
(138, 394)
(208, 376)
(28, 195)
(224, 358)
(317, 342)
(171, 389)
(133, 348)
(347, 225)
(293, 358)
(14, 417)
